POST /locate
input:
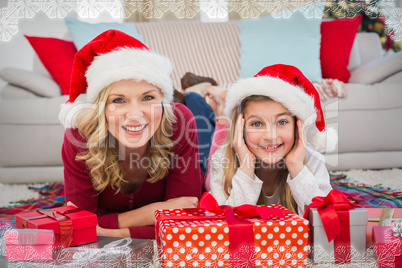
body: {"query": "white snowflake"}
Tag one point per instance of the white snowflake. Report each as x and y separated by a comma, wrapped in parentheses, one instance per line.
(185, 8)
(8, 24)
(215, 8)
(57, 8)
(115, 8)
(25, 9)
(245, 257)
(89, 8)
(153, 8)
(341, 9)
(313, 10)
(280, 9)
(247, 8)
(393, 20)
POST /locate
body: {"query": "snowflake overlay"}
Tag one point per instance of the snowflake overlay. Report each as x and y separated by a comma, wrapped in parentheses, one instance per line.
(182, 9)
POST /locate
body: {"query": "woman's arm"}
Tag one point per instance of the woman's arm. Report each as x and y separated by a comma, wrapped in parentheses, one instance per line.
(145, 215)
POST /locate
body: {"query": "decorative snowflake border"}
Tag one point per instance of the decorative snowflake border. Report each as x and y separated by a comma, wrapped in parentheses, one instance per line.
(182, 9)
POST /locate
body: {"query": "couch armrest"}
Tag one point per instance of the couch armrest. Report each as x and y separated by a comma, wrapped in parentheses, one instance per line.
(34, 82)
(377, 70)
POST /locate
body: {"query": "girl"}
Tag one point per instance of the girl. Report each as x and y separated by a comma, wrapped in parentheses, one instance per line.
(131, 152)
(266, 158)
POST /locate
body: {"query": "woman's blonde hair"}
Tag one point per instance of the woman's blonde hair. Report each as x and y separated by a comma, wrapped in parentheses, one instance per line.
(286, 198)
(102, 154)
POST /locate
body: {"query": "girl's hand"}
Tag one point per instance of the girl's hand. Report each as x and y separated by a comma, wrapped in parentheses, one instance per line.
(246, 158)
(294, 159)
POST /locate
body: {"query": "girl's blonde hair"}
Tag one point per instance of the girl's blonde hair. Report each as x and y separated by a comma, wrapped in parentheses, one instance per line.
(102, 155)
(229, 171)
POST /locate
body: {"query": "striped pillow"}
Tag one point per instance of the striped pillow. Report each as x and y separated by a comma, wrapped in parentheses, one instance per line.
(205, 49)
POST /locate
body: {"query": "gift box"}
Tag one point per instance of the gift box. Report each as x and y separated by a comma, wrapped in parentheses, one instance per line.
(374, 215)
(28, 244)
(223, 236)
(71, 226)
(338, 229)
(387, 247)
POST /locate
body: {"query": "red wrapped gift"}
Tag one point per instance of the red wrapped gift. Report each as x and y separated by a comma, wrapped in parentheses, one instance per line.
(72, 226)
(28, 244)
(374, 215)
(387, 247)
(224, 236)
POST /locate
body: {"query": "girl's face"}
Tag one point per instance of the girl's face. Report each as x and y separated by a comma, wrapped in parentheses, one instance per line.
(133, 112)
(269, 130)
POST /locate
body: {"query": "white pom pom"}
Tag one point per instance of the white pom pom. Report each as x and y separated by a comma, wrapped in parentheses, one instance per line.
(324, 141)
(69, 111)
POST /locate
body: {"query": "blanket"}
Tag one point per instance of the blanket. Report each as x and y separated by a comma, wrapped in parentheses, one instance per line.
(366, 195)
(51, 196)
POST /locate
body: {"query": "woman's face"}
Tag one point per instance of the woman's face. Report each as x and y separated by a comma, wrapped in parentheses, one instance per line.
(269, 130)
(133, 112)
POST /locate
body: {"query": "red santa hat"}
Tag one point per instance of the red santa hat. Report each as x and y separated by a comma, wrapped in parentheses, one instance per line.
(110, 57)
(287, 85)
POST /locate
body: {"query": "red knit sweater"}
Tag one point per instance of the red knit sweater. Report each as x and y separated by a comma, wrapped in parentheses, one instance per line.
(184, 179)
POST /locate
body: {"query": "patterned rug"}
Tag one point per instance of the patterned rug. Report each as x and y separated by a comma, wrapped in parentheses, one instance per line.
(366, 195)
(52, 195)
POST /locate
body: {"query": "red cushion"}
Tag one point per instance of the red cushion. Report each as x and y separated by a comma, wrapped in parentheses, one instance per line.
(337, 38)
(57, 56)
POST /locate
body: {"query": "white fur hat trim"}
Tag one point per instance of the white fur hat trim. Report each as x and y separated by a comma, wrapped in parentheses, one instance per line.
(69, 111)
(129, 63)
(292, 97)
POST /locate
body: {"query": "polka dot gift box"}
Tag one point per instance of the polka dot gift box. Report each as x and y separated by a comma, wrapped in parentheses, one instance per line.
(232, 237)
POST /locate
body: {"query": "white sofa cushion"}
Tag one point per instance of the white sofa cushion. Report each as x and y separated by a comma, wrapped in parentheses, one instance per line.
(370, 47)
(37, 83)
(377, 70)
(13, 92)
(354, 59)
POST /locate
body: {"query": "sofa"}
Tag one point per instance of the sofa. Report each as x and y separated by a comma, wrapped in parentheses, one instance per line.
(368, 118)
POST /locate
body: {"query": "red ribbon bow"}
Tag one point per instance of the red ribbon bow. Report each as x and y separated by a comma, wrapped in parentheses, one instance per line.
(329, 208)
(334, 213)
(65, 223)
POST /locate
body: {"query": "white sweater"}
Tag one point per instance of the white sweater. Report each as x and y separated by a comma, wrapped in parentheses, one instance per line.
(313, 180)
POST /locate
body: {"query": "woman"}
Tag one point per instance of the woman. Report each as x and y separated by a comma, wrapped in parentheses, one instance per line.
(130, 152)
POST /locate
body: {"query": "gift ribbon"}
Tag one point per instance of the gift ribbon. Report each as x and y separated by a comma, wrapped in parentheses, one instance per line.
(65, 223)
(241, 234)
(334, 213)
(113, 249)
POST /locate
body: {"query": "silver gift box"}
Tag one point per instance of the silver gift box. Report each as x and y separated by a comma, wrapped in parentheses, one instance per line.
(323, 252)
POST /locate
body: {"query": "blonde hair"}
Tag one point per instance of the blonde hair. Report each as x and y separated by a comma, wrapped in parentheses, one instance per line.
(286, 198)
(102, 156)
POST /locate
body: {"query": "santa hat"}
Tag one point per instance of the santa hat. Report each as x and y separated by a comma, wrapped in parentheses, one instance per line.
(110, 57)
(287, 85)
